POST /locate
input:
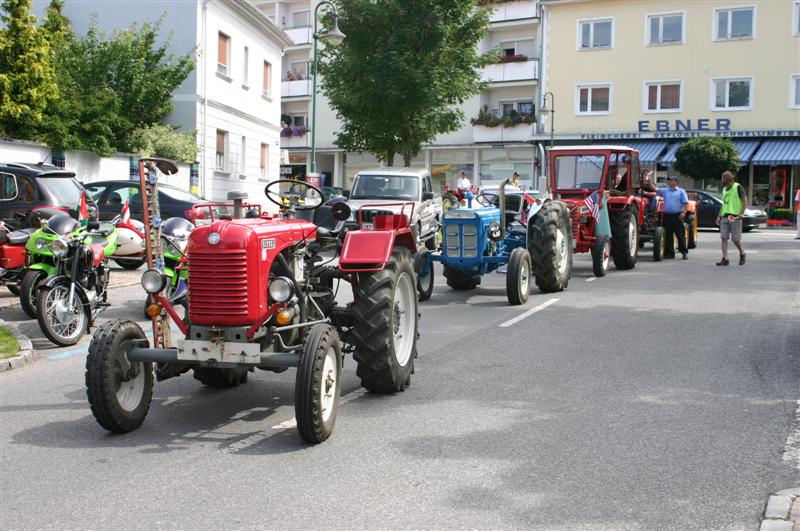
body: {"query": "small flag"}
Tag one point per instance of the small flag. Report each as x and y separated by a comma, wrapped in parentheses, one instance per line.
(126, 212)
(592, 204)
(83, 215)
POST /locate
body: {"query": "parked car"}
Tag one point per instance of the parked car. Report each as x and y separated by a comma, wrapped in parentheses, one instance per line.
(112, 195)
(28, 187)
(709, 205)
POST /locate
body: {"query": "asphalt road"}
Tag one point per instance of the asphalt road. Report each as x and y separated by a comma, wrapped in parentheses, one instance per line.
(657, 398)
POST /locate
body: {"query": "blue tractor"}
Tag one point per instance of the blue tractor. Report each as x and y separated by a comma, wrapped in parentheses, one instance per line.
(533, 237)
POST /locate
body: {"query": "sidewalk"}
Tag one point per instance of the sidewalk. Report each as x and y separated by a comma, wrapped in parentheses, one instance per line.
(783, 511)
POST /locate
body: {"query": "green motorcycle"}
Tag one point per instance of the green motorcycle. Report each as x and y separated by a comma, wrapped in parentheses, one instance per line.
(40, 262)
(174, 238)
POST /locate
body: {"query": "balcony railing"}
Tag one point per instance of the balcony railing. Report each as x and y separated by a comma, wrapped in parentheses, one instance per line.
(518, 133)
(504, 11)
(295, 141)
(516, 71)
(300, 35)
(291, 89)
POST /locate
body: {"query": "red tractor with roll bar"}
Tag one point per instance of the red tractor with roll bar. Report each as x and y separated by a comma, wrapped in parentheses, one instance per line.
(261, 296)
(582, 177)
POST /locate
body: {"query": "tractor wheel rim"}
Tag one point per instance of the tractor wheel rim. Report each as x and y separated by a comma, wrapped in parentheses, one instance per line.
(403, 317)
(606, 254)
(129, 394)
(632, 239)
(66, 321)
(327, 388)
(563, 255)
(425, 278)
(524, 278)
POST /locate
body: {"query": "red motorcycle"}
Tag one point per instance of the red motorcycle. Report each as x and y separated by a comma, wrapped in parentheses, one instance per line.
(453, 197)
(12, 256)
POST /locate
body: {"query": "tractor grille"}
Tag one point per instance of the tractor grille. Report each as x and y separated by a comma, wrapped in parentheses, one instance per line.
(218, 283)
(462, 240)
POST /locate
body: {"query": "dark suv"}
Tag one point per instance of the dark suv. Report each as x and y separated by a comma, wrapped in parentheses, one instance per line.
(112, 195)
(27, 187)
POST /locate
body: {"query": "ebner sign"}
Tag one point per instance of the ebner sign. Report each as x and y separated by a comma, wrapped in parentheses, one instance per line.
(700, 124)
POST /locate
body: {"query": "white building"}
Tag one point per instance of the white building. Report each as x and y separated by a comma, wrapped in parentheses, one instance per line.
(232, 97)
(484, 153)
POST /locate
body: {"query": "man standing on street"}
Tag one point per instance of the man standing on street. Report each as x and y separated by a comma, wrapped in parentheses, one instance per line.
(675, 201)
(734, 201)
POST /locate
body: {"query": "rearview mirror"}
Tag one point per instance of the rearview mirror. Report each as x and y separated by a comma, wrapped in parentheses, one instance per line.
(427, 196)
(346, 194)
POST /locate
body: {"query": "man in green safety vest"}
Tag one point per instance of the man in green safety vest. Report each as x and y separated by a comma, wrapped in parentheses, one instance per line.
(729, 219)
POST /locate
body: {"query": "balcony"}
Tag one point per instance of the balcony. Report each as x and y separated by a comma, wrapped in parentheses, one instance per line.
(501, 133)
(300, 35)
(515, 71)
(291, 89)
(508, 11)
(296, 142)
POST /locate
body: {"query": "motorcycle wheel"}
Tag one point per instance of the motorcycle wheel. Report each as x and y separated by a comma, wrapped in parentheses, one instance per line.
(130, 263)
(62, 323)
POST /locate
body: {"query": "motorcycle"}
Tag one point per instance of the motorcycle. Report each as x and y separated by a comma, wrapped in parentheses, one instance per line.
(130, 243)
(68, 303)
(174, 238)
(40, 262)
(12, 256)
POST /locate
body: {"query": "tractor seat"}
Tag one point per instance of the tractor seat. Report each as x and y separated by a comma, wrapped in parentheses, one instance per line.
(18, 237)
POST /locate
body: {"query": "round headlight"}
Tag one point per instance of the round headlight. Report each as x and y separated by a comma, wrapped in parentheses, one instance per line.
(41, 244)
(494, 230)
(281, 289)
(59, 247)
(153, 281)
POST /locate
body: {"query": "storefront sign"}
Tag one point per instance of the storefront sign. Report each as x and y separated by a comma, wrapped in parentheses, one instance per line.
(731, 133)
(700, 124)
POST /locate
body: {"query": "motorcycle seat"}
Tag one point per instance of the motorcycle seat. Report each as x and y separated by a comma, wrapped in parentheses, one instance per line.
(19, 237)
(105, 229)
(99, 240)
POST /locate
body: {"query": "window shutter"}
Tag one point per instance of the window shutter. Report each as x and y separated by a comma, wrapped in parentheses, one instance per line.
(267, 76)
(222, 49)
(263, 156)
(220, 141)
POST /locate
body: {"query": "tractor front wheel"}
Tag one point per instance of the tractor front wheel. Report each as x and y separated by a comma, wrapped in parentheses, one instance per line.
(659, 239)
(458, 280)
(550, 247)
(625, 238)
(318, 384)
(425, 274)
(600, 255)
(518, 276)
(385, 317)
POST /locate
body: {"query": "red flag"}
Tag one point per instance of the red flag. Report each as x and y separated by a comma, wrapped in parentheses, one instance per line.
(126, 212)
(83, 215)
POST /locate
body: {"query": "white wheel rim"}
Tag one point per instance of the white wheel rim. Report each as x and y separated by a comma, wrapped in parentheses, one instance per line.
(606, 255)
(129, 395)
(524, 277)
(426, 279)
(65, 321)
(327, 388)
(561, 246)
(403, 317)
(632, 239)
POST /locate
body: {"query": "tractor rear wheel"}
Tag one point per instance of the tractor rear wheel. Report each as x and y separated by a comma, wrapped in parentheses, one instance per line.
(318, 384)
(220, 378)
(458, 280)
(518, 277)
(385, 324)
(625, 238)
(424, 281)
(601, 252)
(659, 239)
(550, 247)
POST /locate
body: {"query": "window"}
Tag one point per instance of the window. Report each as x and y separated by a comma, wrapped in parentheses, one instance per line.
(663, 96)
(223, 53)
(301, 19)
(794, 91)
(267, 77)
(593, 99)
(245, 67)
(8, 190)
(732, 94)
(665, 29)
(517, 107)
(222, 149)
(298, 120)
(264, 160)
(595, 34)
(509, 50)
(243, 158)
(297, 71)
(738, 23)
(796, 19)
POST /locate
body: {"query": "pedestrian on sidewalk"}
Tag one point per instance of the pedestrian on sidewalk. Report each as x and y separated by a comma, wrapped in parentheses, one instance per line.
(675, 202)
(734, 201)
(797, 208)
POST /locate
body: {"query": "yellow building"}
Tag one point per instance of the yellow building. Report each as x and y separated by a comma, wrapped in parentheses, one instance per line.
(651, 73)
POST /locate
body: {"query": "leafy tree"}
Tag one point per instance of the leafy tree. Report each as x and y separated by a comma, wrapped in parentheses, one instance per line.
(57, 28)
(164, 141)
(405, 65)
(27, 77)
(706, 157)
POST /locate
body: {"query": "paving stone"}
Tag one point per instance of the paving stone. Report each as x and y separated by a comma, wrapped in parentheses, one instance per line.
(794, 513)
(778, 507)
(775, 525)
(794, 491)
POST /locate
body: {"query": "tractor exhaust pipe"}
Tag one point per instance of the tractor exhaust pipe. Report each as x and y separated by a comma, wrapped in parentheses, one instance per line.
(503, 208)
(237, 198)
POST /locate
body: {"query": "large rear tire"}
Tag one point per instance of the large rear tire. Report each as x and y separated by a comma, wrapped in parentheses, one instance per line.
(385, 321)
(550, 247)
(659, 240)
(601, 252)
(625, 238)
(518, 277)
(424, 281)
(28, 289)
(119, 391)
(458, 280)
(318, 384)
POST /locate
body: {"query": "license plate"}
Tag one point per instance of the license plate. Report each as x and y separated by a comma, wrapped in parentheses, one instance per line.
(249, 353)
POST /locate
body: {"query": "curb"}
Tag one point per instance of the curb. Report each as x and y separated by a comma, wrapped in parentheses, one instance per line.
(25, 354)
(783, 511)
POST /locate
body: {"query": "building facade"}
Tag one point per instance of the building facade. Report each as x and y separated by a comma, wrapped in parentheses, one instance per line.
(652, 73)
(232, 98)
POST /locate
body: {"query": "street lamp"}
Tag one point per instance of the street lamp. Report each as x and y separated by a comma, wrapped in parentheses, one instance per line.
(334, 37)
(551, 111)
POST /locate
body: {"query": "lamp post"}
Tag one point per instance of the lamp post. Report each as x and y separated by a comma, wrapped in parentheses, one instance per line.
(334, 36)
(551, 111)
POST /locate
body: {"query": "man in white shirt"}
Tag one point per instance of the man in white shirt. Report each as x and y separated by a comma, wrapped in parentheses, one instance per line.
(464, 187)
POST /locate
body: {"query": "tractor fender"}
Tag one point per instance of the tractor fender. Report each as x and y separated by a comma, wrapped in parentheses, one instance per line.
(370, 250)
(80, 291)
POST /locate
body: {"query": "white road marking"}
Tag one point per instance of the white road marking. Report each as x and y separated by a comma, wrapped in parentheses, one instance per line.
(791, 451)
(530, 312)
(591, 279)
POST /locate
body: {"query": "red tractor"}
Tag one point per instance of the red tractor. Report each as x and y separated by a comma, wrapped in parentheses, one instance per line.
(261, 295)
(583, 177)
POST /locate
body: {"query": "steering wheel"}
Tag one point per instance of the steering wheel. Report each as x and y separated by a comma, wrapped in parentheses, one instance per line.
(487, 199)
(298, 195)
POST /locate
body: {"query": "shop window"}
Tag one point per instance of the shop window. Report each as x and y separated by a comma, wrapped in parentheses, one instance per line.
(222, 150)
(665, 29)
(594, 99)
(664, 96)
(737, 23)
(794, 92)
(223, 53)
(732, 94)
(594, 34)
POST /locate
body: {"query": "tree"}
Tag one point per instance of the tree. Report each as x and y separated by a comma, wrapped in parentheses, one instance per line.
(57, 28)
(27, 77)
(405, 65)
(164, 141)
(706, 157)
